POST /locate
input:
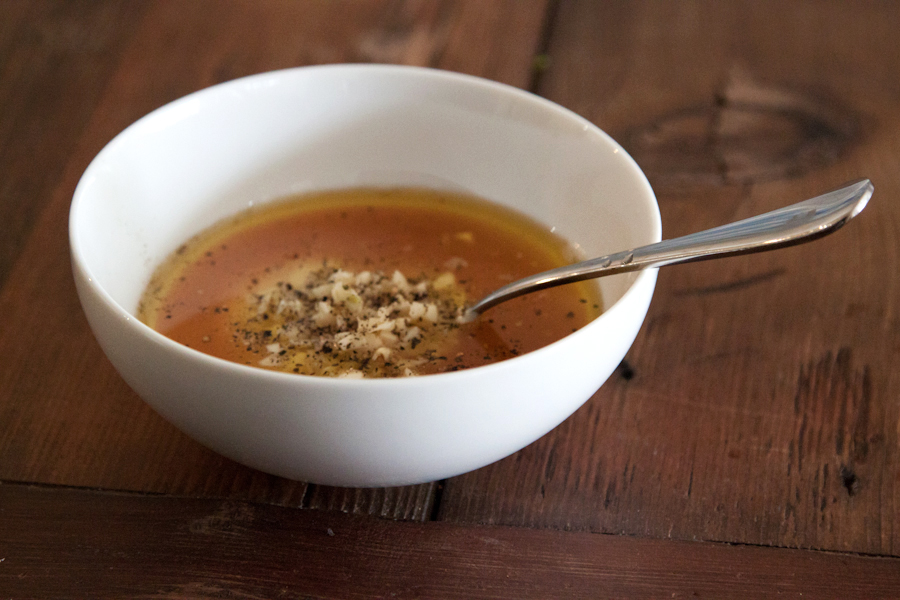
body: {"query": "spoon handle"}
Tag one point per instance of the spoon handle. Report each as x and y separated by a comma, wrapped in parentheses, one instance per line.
(795, 224)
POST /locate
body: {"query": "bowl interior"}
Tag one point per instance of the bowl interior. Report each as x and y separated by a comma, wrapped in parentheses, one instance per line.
(212, 154)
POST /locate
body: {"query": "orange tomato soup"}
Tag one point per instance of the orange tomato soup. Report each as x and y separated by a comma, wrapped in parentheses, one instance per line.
(370, 267)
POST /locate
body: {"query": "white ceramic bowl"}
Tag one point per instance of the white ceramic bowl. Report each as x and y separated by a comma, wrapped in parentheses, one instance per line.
(211, 154)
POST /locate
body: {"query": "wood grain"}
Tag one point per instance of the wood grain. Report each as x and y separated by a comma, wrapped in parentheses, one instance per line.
(59, 542)
(758, 404)
(54, 59)
(65, 415)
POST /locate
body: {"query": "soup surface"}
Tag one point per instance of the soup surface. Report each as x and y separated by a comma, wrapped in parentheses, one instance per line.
(366, 283)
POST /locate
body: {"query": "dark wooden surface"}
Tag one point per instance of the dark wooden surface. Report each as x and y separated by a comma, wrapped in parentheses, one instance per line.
(168, 547)
(747, 447)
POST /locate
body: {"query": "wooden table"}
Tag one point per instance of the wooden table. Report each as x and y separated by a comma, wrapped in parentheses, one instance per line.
(748, 446)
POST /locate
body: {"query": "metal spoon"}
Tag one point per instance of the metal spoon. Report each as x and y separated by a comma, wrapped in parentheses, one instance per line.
(795, 224)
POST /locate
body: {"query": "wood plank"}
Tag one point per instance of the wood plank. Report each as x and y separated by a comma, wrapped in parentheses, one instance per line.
(413, 503)
(52, 76)
(758, 404)
(77, 423)
(496, 40)
(157, 547)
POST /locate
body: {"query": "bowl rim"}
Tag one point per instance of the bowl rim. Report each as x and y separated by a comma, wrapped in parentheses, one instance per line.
(268, 78)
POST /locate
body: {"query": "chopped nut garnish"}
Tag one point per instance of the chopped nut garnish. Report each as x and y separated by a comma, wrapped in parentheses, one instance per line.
(354, 324)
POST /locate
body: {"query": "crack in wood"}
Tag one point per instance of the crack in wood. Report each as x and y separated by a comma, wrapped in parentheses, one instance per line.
(833, 388)
(849, 480)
